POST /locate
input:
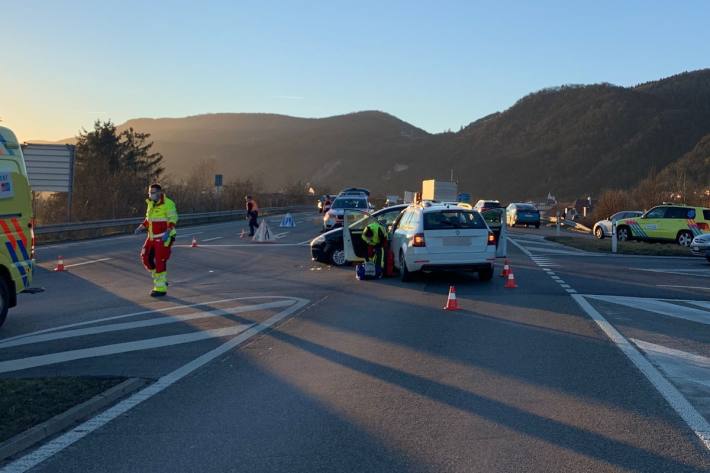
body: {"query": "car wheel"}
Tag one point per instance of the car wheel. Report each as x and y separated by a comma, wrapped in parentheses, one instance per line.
(486, 274)
(404, 274)
(623, 234)
(684, 238)
(337, 257)
(599, 233)
(4, 300)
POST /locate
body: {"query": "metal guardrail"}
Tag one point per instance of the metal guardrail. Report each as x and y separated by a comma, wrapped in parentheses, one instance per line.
(122, 225)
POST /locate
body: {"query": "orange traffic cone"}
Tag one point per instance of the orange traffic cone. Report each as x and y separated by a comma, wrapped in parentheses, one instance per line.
(60, 264)
(506, 269)
(510, 282)
(451, 302)
(194, 242)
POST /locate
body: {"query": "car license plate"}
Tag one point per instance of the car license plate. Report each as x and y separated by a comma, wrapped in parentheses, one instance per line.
(456, 241)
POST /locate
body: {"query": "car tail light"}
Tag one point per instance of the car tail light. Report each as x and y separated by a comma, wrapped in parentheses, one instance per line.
(491, 238)
(418, 240)
(703, 226)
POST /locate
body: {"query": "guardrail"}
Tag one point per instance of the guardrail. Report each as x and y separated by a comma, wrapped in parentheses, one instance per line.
(99, 228)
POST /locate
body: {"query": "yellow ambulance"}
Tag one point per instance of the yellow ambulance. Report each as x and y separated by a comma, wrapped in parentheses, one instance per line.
(17, 242)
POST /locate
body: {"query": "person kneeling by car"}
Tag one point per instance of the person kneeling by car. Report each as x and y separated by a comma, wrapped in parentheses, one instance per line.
(375, 237)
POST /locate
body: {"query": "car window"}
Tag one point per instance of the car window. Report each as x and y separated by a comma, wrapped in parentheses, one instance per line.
(404, 222)
(526, 207)
(658, 212)
(680, 212)
(350, 204)
(706, 214)
(620, 215)
(388, 217)
(448, 219)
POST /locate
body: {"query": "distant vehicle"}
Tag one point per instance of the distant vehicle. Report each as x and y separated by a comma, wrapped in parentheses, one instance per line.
(522, 214)
(483, 205)
(354, 191)
(328, 247)
(436, 237)
(700, 246)
(679, 223)
(602, 228)
(439, 191)
(392, 200)
(334, 217)
(17, 242)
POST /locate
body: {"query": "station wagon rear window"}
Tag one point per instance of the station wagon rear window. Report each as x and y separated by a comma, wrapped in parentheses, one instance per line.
(448, 219)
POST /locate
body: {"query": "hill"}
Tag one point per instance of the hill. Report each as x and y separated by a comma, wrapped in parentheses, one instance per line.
(570, 140)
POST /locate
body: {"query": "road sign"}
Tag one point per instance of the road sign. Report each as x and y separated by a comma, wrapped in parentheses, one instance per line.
(50, 167)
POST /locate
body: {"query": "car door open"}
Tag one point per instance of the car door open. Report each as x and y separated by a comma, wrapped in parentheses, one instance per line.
(354, 222)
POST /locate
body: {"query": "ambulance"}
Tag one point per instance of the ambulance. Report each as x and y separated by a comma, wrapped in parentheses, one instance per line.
(17, 242)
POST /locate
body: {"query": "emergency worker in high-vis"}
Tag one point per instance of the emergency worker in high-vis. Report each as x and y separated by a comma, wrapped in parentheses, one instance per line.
(160, 220)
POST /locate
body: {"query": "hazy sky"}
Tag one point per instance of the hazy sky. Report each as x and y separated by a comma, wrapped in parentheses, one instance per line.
(438, 64)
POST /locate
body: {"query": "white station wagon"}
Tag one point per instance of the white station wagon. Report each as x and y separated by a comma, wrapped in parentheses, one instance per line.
(435, 237)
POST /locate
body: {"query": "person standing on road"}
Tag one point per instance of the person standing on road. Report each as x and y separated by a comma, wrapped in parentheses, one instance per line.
(160, 220)
(252, 214)
(327, 204)
(375, 237)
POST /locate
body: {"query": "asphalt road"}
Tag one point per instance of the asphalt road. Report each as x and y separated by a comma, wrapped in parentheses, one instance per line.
(265, 361)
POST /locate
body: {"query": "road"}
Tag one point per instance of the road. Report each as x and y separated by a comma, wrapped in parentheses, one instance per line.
(263, 361)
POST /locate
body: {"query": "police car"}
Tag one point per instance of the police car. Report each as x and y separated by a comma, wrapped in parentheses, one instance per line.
(668, 222)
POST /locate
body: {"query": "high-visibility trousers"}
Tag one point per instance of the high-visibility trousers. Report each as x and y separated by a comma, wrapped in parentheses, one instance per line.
(154, 256)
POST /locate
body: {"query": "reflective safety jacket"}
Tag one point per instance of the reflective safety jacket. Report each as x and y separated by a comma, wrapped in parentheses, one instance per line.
(160, 217)
(378, 234)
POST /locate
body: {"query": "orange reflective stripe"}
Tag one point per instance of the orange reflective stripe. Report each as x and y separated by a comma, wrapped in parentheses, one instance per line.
(8, 233)
(20, 233)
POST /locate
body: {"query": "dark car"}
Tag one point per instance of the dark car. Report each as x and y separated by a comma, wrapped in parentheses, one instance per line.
(328, 247)
(523, 214)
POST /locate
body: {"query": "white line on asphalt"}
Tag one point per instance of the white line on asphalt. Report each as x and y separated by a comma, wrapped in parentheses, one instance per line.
(213, 238)
(188, 234)
(162, 320)
(657, 306)
(134, 314)
(703, 304)
(55, 446)
(105, 350)
(566, 286)
(684, 287)
(86, 262)
(679, 403)
(239, 245)
(703, 273)
(571, 291)
(677, 363)
(520, 247)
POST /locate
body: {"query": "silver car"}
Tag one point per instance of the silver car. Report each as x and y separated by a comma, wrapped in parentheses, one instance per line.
(700, 246)
(603, 227)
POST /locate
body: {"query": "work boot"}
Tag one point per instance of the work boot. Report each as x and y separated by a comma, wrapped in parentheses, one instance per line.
(157, 294)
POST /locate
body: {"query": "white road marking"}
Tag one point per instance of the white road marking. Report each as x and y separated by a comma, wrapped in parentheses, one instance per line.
(163, 320)
(703, 273)
(671, 394)
(658, 306)
(188, 235)
(134, 314)
(684, 287)
(678, 364)
(703, 304)
(55, 446)
(86, 262)
(105, 350)
(240, 245)
(571, 291)
(566, 286)
(212, 239)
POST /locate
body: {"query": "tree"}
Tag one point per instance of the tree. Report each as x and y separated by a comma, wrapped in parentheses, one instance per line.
(113, 171)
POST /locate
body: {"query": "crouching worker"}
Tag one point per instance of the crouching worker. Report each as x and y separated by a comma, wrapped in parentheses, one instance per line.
(160, 220)
(375, 237)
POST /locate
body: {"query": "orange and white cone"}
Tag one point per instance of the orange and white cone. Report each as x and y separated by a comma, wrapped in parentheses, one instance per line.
(194, 242)
(506, 269)
(510, 282)
(451, 302)
(60, 264)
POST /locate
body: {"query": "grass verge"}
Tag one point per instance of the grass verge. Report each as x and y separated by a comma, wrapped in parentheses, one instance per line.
(625, 247)
(28, 402)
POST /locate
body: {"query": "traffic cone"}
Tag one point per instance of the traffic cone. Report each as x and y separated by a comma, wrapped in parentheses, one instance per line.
(194, 242)
(451, 302)
(510, 282)
(60, 264)
(506, 269)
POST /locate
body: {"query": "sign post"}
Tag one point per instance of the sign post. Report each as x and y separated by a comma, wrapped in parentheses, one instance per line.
(51, 169)
(614, 240)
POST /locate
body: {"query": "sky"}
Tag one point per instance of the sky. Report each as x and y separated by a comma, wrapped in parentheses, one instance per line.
(436, 64)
